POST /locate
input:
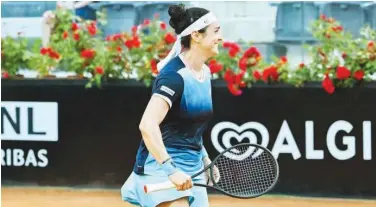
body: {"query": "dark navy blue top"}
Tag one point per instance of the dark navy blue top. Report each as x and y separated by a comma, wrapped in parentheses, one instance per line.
(190, 110)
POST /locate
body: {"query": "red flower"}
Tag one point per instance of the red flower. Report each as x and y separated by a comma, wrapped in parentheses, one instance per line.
(270, 72)
(371, 47)
(92, 31)
(136, 42)
(331, 20)
(337, 29)
(323, 17)
(4, 74)
(146, 22)
(116, 37)
(359, 74)
(301, 65)
(99, 70)
(327, 84)
(163, 26)
(129, 44)
(243, 63)
(250, 58)
(50, 52)
(76, 36)
(213, 61)
(153, 64)
(118, 48)
(233, 48)
(256, 75)
(227, 44)
(87, 53)
(229, 76)
(54, 54)
(234, 81)
(253, 52)
(242, 84)
(74, 27)
(232, 52)
(371, 44)
(65, 35)
(214, 66)
(234, 89)
(92, 28)
(169, 38)
(239, 77)
(44, 50)
(134, 30)
(283, 60)
(343, 72)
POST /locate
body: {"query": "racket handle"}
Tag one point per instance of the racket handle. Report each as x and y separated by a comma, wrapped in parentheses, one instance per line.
(149, 188)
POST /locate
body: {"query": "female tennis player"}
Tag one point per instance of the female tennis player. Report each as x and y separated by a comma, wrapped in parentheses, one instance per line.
(176, 116)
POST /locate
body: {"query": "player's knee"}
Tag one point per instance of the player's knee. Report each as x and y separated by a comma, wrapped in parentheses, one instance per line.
(181, 202)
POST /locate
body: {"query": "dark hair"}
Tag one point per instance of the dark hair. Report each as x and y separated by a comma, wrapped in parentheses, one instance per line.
(181, 18)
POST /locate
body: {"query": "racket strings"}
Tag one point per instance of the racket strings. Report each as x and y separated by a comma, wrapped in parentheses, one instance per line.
(248, 176)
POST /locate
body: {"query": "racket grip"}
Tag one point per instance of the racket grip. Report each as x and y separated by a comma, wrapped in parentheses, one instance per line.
(149, 188)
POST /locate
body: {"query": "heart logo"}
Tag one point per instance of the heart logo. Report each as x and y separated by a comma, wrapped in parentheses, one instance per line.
(239, 133)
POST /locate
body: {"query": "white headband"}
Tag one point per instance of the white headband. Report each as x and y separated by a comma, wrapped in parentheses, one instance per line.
(201, 23)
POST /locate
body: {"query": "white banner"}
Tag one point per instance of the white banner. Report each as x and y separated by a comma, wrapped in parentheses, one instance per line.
(286, 143)
(29, 121)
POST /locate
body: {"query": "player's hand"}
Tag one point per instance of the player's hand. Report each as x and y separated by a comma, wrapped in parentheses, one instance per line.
(181, 180)
(216, 174)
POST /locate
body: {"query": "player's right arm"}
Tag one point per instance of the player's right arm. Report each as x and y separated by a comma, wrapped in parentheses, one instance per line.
(166, 91)
(154, 114)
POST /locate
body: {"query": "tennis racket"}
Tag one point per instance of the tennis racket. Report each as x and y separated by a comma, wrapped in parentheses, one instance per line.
(246, 171)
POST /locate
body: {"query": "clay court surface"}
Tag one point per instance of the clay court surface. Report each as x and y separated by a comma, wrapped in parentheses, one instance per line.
(67, 197)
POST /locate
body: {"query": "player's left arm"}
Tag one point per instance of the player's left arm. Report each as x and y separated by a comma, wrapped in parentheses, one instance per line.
(205, 156)
(207, 161)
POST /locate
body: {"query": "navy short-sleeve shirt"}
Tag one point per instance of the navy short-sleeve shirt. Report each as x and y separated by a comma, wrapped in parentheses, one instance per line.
(190, 104)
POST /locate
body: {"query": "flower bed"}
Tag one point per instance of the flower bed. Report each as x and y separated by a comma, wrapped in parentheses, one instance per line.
(338, 59)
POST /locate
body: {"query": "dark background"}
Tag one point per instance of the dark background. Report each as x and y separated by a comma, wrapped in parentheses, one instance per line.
(99, 136)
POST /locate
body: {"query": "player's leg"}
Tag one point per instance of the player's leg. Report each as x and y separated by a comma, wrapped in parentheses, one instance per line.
(133, 192)
(181, 202)
(128, 192)
(200, 197)
(200, 194)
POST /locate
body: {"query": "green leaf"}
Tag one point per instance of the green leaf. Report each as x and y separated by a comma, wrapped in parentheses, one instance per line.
(89, 85)
(98, 79)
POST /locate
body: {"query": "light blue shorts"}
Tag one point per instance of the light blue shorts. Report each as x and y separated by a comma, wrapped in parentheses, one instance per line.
(188, 161)
(133, 192)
